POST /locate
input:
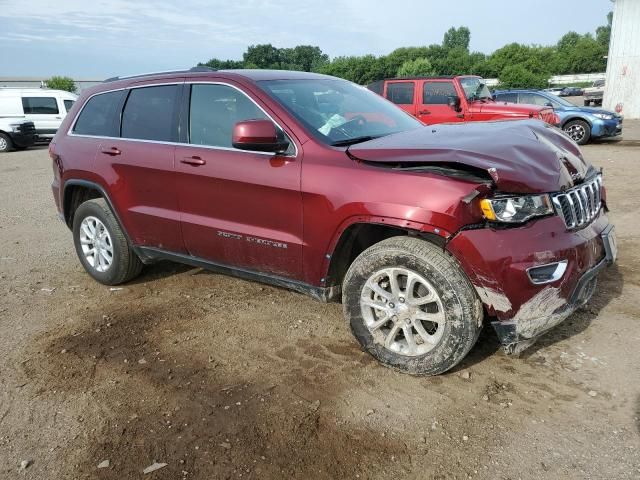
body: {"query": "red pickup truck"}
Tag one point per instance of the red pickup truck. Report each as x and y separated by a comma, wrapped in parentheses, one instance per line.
(463, 98)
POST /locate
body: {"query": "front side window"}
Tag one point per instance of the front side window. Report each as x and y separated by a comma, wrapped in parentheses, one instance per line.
(438, 93)
(99, 115)
(68, 104)
(400, 93)
(338, 112)
(475, 88)
(534, 99)
(214, 110)
(149, 114)
(507, 97)
(40, 105)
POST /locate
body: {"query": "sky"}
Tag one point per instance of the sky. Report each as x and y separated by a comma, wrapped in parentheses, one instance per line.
(102, 38)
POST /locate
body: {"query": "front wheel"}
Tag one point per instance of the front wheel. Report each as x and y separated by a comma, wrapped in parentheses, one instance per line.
(5, 143)
(411, 307)
(578, 130)
(101, 245)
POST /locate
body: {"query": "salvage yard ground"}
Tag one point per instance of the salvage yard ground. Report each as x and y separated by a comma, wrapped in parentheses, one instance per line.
(223, 378)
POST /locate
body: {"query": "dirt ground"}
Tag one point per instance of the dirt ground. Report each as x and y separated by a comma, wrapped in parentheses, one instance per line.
(222, 378)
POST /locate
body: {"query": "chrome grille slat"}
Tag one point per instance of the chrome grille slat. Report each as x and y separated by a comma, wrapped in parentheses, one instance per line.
(579, 205)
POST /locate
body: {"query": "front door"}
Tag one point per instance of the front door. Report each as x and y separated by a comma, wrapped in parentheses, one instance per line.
(238, 208)
(434, 102)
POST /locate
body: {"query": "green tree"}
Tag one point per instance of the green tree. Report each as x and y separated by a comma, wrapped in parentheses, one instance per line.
(420, 67)
(303, 57)
(62, 83)
(223, 64)
(517, 76)
(457, 38)
(262, 56)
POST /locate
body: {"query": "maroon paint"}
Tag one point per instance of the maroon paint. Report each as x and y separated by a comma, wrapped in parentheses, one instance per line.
(308, 200)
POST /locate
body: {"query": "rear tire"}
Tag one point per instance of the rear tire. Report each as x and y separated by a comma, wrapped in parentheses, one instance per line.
(578, 130)
(5, 143)
(101, 245)
(430, 323)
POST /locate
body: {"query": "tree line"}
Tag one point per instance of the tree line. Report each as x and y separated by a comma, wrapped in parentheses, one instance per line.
(515, 65)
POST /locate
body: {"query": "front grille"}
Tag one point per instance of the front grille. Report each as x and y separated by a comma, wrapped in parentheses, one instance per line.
(27, 128)
(581, 204)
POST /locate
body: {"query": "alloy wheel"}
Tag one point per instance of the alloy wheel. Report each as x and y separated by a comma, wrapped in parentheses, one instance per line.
(576, 132)
(96, 244)
(402, 311)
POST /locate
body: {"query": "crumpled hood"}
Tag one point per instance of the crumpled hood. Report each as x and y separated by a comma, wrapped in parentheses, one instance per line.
(528, 156)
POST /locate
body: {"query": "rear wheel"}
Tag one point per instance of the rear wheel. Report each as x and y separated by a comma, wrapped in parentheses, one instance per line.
(5, 143)
(411, 307)
(101, 245)
(578, 130)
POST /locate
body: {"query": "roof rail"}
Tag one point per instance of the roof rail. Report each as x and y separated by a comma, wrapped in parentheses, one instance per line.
(199, 68)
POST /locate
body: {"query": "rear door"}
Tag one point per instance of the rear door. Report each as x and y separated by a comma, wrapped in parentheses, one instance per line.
(44, 111)
(238, 208)
(139, 166)
(434, 102)
(402, 93)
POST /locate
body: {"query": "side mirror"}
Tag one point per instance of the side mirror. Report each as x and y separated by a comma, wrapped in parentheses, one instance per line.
(258, 136)
(548, 104)
(454, 102)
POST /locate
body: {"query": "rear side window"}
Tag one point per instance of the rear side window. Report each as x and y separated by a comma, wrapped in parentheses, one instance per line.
(40, 105)
(507, 97)
(400, 93)
(68, 104)
(438, 93)
(214, 110)
(99, 115)
(149, 114)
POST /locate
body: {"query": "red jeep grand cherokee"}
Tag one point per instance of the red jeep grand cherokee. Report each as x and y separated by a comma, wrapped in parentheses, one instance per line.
(319, 185)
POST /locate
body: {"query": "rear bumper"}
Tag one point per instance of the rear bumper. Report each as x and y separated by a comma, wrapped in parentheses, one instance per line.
(497, 260)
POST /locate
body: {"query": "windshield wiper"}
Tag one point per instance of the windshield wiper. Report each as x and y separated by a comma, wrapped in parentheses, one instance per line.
(353, 141)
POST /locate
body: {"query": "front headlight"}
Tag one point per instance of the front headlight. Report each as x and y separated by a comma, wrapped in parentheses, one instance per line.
(15, 127)
(516, 209)
(603, 116)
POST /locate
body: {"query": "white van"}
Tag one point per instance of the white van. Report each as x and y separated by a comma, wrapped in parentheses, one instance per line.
(44, 107)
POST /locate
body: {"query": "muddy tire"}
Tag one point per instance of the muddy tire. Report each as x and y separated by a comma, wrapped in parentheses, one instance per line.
(411, 306)
(102, 246)
(578, 130)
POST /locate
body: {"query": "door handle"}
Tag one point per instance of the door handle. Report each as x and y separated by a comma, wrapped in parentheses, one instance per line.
(113, 151)
(424, 112)
(194, 161)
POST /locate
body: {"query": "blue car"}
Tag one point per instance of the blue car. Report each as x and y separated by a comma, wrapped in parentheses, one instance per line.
(580, 123)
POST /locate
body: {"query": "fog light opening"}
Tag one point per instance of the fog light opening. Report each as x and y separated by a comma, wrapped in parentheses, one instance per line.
(548, 273)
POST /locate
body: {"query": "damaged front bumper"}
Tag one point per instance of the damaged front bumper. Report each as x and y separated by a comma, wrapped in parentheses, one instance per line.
(499, 263)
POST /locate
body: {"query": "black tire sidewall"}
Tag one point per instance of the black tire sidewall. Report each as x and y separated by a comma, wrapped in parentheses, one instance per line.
(95, 209)
(460, 328)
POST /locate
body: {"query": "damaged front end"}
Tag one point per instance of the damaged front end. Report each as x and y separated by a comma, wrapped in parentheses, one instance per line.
(532, 277)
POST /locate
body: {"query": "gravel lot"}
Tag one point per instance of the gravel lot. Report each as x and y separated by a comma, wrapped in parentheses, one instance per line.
(224, 378)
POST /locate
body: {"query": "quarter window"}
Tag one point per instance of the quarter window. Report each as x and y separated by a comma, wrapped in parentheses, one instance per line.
(68, 104)
(400, 93)
(149, 114)
(214, 110)
(98, 116)
(40, 105)
(438, 93)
